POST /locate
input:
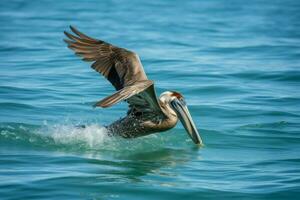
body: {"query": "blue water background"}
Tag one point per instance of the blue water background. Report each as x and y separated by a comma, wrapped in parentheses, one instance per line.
(236, 62)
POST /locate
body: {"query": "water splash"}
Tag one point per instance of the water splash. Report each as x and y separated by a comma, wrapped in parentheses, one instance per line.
(92, 136)
(58, 136)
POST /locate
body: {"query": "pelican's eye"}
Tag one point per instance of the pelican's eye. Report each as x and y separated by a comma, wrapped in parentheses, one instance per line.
(177, 95)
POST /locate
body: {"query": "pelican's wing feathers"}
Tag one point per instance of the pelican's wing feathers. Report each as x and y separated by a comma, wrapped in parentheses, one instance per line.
(121, 67)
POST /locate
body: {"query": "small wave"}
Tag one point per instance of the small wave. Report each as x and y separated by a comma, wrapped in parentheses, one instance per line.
(281, 76)
(11, 106)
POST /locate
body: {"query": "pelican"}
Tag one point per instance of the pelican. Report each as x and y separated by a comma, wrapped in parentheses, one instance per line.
(124, 70)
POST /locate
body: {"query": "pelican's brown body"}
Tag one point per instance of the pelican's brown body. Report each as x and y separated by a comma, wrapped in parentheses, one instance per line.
(124, 70)
(141, 124)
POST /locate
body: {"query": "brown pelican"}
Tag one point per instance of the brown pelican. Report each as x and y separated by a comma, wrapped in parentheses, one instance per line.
(124, 70)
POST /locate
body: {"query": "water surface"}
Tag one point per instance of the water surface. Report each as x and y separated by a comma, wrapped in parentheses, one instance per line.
(236, 62)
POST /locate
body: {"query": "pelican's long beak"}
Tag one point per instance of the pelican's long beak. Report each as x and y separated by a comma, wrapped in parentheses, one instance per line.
(186, 119)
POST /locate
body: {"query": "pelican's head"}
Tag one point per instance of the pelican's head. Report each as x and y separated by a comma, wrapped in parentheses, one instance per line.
(175, 101)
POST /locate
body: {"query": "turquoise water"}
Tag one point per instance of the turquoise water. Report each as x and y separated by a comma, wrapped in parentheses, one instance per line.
(237, 64)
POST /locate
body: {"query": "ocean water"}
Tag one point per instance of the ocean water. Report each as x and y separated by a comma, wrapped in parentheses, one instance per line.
(236, 62)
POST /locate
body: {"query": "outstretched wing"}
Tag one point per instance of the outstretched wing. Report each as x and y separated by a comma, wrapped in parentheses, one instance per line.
(120, 66)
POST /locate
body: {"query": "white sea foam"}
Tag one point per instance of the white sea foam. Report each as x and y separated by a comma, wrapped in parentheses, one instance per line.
(91, 136)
